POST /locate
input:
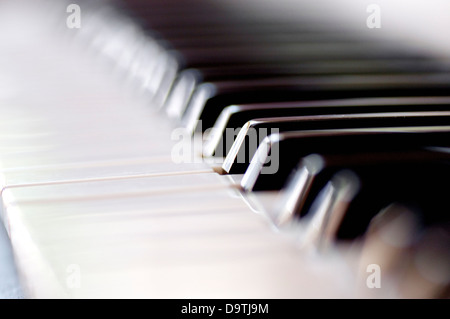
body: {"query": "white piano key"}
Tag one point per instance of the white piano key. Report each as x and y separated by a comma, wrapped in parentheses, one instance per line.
(18, 175)
(229, 252)
(129, 183)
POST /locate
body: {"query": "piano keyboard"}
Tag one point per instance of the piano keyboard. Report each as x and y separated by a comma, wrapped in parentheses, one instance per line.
(199, 149)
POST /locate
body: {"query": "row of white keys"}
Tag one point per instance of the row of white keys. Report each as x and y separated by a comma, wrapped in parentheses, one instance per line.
(64, 118)
(88, 183)
(147, 238)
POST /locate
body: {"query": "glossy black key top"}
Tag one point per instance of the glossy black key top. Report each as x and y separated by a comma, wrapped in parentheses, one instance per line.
(316, 170)
(244, 147)
(421, 186)
(236, 116)
(210, 99)
(278, 154)
(190, 78)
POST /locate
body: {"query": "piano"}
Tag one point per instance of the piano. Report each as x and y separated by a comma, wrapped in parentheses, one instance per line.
(226, 149)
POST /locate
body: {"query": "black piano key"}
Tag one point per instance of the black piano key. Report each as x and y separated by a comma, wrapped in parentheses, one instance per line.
(244, 148)
(210, 99)
(292, 52)
(407, 237)
(322, 67)
(316, 170)
(234, 117)
(244, 47)
(278, 154)
(290, 69)
(217, 47)
(246, 28)
(229, 63)
(264, 37)
(256, 71)
(303, 45)
(208, 16)
(421, 186)
(349, 203)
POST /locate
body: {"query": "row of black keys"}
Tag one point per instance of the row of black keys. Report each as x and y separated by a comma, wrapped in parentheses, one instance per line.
(338, 102)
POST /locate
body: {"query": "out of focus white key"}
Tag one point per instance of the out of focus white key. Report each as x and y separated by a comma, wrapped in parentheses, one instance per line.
(158, 244)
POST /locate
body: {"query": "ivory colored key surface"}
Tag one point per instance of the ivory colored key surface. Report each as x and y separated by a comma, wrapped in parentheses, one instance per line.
(76, 122)
(199, 241)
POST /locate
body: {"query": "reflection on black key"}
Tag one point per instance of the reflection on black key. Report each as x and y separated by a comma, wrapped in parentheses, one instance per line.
(322, 67)
(279, 154)
(234, 117)
(293, 69)
(244, 147)
(210, 99)
(316, 170)
(420, 186)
